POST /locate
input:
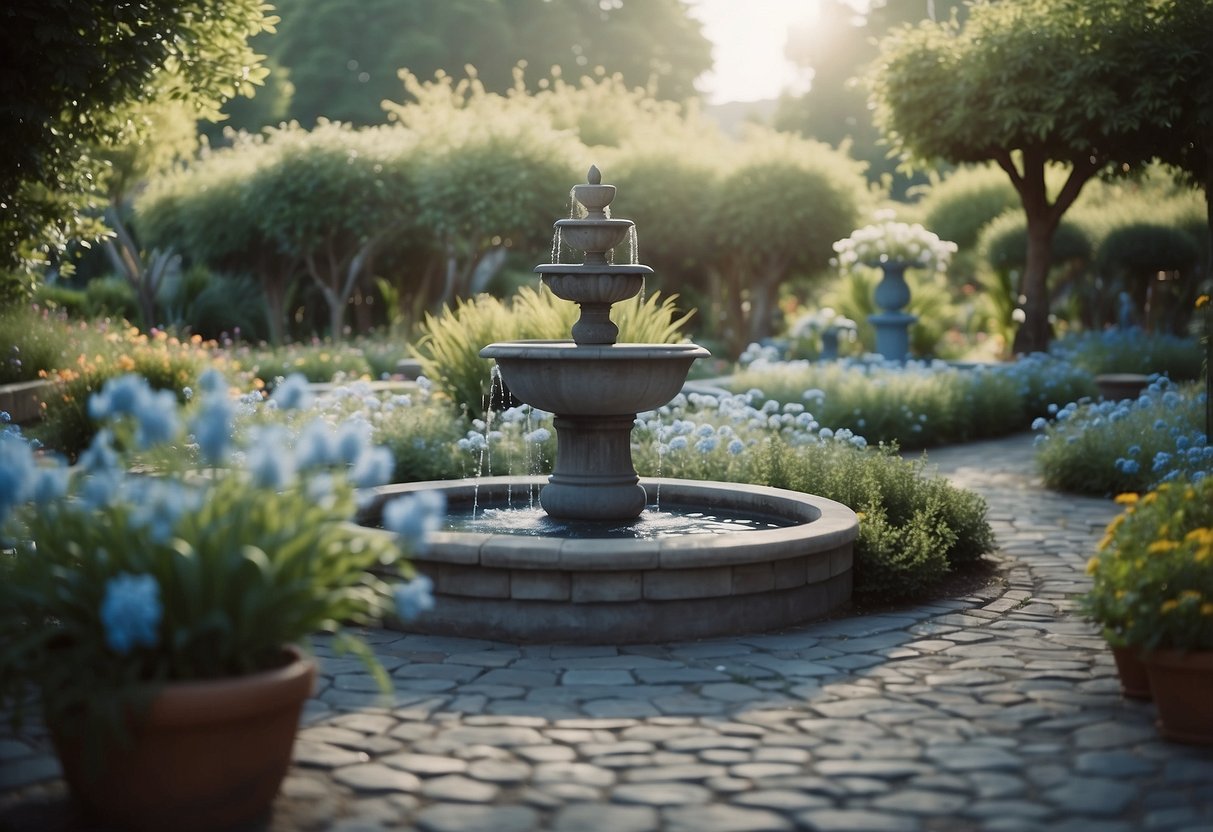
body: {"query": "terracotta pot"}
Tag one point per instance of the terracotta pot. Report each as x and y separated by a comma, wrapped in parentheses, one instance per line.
(1134, 680)
(1182, 684)
(209, 756)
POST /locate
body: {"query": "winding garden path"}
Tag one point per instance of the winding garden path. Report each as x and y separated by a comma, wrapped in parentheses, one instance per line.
(994, 711)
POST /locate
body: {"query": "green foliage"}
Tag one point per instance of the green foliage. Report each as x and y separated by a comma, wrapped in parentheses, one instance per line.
(77, 73)
(1153, 577)
(343, 56)
(1105, 448)
(216, 305)
(1004, 242)
(959, 207)
(449, 344)
(33, 341)
(110, 296)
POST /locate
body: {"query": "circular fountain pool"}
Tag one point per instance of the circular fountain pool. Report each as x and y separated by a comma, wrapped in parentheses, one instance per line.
(791, 564)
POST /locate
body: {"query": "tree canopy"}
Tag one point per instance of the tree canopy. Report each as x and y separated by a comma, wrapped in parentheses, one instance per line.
(343, 56)
(1029, 85)
(71, 74)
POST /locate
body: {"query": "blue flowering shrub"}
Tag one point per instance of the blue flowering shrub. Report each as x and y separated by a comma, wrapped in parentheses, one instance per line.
(189, 543)
(1106, 448)
(1131, 351)
(917, 404)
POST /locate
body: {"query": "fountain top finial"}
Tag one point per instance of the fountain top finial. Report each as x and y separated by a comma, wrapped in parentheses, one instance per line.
(594, 196)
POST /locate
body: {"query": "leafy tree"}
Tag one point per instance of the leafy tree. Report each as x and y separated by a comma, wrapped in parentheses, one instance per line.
(776, 214)
(491, 175)
(837, 45)
(333, 197)
(1028, 85)
(204, 212)
(70, 70)
(343, 55)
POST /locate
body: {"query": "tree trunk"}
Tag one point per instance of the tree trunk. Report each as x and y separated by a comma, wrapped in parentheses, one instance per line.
(1034, 333)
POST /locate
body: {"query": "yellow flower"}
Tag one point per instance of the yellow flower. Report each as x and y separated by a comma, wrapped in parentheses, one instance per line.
(1201, 537)
(1207, 608)
(859, 515)
(1161, 547)
(1127, 499)
(1149, 498)
(1189, 595)
(1092, 565)
(1168, 605)
(1202, 301)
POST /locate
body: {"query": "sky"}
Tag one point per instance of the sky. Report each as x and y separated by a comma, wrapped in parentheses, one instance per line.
(747, 38)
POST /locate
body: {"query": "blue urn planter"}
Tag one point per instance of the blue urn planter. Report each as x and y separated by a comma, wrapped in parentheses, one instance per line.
(891, 323)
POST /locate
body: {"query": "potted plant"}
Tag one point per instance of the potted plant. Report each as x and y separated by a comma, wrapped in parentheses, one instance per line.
(1153, 594)
(893, 247)
(157, 598)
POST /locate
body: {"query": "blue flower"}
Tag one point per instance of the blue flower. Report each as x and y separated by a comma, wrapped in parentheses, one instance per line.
(212, 382)
(17, 471)
(373, 467)
(414, 598)
(352, 437)
(707, 444)
(156, 418)
(1161, 460)
(212, 428)
(1127, 466)
(131, 612)
(736, 447)
(293, 393)
(538, 436)
(415, 516)
(268, 461)
(1039, 423)
(119, 396)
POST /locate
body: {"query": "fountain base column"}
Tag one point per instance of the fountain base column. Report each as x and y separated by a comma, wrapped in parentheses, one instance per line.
(593, 478)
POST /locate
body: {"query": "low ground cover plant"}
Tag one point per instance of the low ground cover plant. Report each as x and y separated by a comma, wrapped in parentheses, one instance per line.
(1106, 448)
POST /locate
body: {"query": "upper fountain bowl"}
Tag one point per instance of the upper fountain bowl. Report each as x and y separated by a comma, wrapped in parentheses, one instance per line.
(593, 235)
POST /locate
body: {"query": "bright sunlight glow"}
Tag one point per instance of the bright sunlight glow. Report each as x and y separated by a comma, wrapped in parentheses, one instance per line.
(748, 38)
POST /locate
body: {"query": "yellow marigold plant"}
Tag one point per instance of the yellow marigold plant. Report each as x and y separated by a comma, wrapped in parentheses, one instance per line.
(1153, 574)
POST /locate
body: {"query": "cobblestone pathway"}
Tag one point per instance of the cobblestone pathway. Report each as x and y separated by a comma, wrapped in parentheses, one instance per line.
(995, 711)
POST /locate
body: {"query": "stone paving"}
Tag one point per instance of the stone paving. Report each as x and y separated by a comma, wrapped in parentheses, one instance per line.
(995, 711)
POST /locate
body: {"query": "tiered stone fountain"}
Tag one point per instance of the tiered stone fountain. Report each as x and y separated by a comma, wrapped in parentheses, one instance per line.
(588, 583)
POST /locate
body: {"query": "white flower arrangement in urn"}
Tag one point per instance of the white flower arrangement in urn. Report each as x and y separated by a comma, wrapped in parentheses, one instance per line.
(889, 241)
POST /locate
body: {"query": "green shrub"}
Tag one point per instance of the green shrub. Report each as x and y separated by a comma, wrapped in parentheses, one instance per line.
(55, 297)
(110, 297)
(320, 361)
(961, 205)
(33, 341)
(166, 363)
(1131, 351)
(450, 343)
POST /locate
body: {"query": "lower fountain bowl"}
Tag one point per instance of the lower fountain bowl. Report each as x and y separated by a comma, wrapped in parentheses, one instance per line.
(611, 590)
